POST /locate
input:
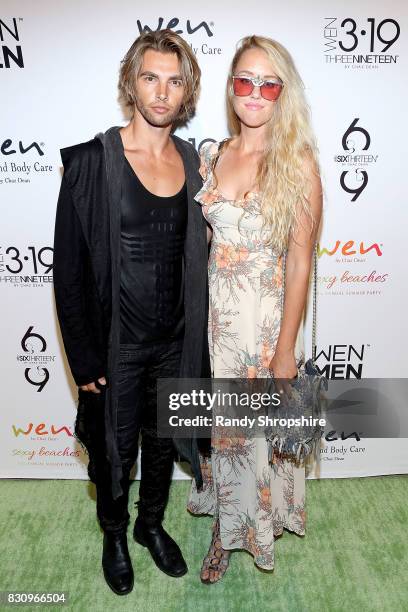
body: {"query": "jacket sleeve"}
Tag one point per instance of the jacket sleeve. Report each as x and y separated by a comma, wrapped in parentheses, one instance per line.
(70, 257)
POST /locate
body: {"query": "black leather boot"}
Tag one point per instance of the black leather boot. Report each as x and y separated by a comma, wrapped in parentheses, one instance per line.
(165, 552)
(116, 563)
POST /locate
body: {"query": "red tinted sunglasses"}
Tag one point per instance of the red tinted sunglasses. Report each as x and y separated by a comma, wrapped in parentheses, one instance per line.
(244, 86)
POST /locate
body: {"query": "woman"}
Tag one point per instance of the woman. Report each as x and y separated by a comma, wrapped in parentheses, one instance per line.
(262, 197)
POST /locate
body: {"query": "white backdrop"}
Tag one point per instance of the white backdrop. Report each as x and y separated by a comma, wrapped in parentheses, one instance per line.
(59, 68)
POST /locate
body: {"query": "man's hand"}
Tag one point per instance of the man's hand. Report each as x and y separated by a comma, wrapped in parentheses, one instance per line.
(92, 387)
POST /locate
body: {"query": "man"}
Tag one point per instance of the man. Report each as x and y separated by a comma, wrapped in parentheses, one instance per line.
(130, 279)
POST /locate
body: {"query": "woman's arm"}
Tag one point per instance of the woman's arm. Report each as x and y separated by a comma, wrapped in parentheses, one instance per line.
(209, 233)
(298, 264)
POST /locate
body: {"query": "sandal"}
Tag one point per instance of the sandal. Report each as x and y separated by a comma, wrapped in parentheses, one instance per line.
(216, 562)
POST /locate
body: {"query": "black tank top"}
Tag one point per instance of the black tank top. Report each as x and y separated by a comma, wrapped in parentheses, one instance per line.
(152, 264)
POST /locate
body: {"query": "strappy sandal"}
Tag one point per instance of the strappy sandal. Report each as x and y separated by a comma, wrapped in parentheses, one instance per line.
(216, 561)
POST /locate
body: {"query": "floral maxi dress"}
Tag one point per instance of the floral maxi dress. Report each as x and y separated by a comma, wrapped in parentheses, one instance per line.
(253, 498)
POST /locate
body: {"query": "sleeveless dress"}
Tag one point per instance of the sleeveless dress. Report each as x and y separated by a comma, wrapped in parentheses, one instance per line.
(254, 499)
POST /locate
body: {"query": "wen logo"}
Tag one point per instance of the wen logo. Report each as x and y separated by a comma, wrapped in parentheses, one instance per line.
(5, 147)
(16, 55)
(349, 248)
(39, 430)
(172, 24)
(331, 436)
(341, 361)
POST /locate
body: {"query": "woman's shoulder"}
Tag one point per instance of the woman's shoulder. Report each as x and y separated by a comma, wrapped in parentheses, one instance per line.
(207, 151)
(209, 148)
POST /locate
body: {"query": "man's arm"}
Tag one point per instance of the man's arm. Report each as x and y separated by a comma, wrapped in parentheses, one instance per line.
(70, 255)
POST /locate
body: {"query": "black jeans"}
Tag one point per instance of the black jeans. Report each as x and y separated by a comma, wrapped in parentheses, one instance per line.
(139, 367)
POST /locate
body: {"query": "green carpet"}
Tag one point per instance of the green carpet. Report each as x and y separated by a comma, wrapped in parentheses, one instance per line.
(354, 555)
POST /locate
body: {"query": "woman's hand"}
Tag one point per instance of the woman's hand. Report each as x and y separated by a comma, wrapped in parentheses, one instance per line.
(283, 368)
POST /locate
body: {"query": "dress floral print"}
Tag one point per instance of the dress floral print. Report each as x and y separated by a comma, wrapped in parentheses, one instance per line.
(253, 498)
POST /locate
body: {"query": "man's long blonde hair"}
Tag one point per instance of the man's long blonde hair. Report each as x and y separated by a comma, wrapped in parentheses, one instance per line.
(282, 177)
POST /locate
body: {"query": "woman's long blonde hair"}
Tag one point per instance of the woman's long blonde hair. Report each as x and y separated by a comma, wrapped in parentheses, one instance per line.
(282, 177)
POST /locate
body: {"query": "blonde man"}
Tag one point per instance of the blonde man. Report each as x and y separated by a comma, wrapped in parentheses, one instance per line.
(130, 274)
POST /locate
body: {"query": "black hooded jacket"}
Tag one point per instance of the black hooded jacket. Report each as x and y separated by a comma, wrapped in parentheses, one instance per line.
(87, 276)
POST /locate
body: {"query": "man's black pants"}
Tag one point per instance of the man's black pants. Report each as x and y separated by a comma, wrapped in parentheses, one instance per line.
(138, 370)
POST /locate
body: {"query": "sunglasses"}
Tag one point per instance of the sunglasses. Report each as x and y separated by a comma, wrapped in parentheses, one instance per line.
(244, 86)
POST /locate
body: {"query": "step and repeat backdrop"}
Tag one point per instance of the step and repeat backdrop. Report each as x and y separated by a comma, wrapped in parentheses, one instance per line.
(59, 66)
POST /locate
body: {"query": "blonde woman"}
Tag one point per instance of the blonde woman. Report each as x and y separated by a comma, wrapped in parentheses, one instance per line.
(261, 197)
